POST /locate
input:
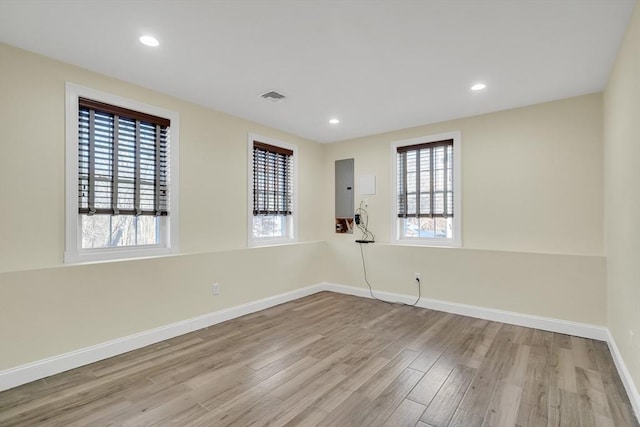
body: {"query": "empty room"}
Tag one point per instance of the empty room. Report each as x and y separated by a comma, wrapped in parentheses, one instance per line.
(320, 212)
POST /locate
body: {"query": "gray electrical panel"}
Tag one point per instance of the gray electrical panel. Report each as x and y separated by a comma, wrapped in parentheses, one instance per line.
(344, 188)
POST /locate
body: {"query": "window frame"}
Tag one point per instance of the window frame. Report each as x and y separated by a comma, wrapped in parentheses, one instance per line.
(169, 236)
(292, 220)
(456, 240)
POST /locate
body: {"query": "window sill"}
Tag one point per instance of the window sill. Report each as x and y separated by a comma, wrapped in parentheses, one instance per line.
(128, 254)
(435, 243)
(271, 242)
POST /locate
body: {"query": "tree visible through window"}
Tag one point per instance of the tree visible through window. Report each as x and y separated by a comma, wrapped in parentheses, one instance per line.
(427, 190)
(123, 175)
(272, 191)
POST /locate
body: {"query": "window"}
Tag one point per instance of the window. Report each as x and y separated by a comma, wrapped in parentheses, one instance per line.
(121, 168)
(272, 195)
(427, 191)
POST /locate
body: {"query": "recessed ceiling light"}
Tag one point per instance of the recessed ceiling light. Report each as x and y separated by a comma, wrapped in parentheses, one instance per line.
(334, 121)
(478, 86)
(149, 41)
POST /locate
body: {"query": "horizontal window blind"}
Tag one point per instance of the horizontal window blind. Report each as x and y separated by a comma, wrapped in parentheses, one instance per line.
(123, 161)
(272, 180)
(425, 180)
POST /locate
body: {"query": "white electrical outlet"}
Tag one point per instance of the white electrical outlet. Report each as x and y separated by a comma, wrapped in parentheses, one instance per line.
(215, 288)
(417, 277)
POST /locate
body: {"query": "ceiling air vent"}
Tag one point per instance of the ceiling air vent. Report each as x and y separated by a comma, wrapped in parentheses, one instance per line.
(272, 96)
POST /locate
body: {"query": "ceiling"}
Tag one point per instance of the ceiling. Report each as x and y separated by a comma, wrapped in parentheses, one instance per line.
(376, 65)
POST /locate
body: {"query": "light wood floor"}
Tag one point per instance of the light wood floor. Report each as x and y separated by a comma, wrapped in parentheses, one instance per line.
(336, 360)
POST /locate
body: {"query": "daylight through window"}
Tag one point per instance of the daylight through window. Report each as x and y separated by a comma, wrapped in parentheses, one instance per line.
(272, 191)
(123, 175)
(425, 190)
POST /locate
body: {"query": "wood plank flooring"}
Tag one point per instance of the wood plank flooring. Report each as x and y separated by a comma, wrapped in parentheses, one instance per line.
(337, 360)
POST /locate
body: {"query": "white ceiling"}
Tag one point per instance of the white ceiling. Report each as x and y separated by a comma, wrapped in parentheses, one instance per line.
(376, 65)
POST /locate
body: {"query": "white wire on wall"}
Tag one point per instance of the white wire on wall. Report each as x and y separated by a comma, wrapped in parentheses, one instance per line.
(369, 237)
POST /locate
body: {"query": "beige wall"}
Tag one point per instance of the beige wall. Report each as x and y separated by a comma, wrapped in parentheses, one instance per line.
(622, 197)
(569, 287)
(532, 242)
(531, 212)
(531, 177)
(52, 311)
(213, 164)
(47, 308)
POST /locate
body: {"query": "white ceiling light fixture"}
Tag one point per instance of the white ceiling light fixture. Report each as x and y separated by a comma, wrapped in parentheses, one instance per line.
(223, 75)
(149, 41)
(334, 121)
(478, 86)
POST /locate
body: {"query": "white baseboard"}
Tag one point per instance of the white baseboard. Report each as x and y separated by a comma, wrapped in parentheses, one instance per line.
(545, 323)
(23, 374)
(625, 375)
(584, 330)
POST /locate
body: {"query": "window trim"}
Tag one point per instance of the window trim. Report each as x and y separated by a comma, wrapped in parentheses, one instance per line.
(169, 239)
(292, 226)
(456, 240)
